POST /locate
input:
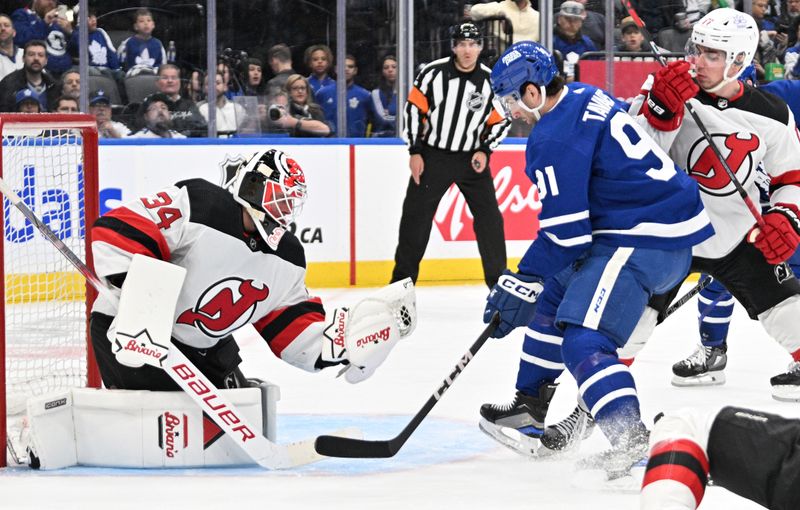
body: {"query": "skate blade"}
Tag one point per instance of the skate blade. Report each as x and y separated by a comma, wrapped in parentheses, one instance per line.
(514, 440)
(786, 393)
(707, 379)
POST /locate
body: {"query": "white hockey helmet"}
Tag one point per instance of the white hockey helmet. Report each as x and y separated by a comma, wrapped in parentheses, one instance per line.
(270, 185)
(733, 32)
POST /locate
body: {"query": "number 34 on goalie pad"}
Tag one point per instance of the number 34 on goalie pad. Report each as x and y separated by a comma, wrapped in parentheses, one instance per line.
(142, 329)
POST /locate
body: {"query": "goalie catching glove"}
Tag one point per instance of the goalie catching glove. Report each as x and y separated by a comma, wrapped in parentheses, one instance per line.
(779, 237)
(363, 335)
(514, 296)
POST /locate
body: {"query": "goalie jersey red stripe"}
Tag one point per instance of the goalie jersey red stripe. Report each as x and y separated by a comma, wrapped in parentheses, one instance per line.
(136, 228)
(282, 326)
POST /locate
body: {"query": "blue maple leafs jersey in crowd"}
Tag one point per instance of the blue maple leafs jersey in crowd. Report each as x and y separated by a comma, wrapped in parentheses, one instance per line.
(146, 53)
(601, 179)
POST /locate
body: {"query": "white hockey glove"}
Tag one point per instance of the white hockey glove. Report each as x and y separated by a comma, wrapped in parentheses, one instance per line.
(364, 335)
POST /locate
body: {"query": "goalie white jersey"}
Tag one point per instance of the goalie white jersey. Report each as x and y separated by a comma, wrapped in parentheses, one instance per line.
(233, 278)
(752, 127)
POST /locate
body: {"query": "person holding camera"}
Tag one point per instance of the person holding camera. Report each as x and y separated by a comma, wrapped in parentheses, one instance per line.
(304, 117)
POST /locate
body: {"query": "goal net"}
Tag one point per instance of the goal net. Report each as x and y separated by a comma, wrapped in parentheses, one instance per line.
(50, 161)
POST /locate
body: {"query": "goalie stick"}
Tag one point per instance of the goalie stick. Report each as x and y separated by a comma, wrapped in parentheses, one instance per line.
(656, 53)
(186, 375)
(333, 446)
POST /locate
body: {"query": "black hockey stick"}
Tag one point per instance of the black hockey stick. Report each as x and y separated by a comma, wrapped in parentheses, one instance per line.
(334, 446)
(739, 188)
(702, 284)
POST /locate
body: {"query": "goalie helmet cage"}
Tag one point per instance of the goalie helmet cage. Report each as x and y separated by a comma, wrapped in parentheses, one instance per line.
(51, 161)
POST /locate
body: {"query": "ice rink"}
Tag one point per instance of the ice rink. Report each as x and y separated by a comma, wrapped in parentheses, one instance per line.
(448, 462)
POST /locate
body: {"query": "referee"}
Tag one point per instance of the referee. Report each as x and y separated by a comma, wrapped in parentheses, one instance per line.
(451, 128)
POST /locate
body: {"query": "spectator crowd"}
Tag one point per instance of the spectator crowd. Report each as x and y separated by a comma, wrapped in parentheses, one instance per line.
(137, 87)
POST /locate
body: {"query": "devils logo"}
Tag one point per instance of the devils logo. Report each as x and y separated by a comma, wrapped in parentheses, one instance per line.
(225, 307)
(707, 170)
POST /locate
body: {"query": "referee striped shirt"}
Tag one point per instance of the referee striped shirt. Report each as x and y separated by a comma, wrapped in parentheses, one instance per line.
(453, 110)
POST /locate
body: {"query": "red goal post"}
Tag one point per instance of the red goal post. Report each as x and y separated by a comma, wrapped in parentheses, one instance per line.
(51, 161)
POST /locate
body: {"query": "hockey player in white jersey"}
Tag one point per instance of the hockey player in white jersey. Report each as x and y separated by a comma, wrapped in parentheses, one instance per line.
(618, 222)
(751, 453)
(715, 304)
(242, 266)
(750, 127)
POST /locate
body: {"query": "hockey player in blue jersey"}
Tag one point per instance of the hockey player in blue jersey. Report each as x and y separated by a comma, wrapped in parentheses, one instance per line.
(617, 225)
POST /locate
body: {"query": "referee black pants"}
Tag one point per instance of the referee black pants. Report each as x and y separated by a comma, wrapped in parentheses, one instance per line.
(443, 168)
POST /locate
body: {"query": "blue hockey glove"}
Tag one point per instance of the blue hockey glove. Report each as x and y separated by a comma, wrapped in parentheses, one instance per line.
(514, 296)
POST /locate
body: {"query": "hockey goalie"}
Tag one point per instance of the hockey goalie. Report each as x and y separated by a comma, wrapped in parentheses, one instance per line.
(236, 264)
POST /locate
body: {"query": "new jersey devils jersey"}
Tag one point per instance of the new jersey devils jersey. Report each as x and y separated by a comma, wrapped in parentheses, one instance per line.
(752, 127)
(232, 278)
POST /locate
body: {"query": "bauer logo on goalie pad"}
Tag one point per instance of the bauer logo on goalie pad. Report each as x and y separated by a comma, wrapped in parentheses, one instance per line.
(225, 306)
(173, 433)
(139, 349)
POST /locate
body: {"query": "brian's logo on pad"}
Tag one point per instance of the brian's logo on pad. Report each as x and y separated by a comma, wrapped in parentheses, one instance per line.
(173, 433)
(225, 306)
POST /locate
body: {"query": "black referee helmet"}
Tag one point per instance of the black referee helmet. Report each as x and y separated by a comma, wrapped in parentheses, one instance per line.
(465, 31)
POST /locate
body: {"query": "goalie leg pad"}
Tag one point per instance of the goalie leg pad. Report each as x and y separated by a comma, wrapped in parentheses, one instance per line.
(140, 429)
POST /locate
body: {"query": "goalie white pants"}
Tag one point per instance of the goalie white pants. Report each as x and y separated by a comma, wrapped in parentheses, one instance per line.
(218, 363)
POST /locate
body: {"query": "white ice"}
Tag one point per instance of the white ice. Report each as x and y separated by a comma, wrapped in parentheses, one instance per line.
(448, 463)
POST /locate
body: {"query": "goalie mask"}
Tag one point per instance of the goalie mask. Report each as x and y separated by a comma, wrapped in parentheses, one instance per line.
(270, 186)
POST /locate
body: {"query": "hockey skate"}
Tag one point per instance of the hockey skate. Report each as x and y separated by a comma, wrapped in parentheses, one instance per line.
(703, 368)
(786, 386)
(568, 433)
(518, 425)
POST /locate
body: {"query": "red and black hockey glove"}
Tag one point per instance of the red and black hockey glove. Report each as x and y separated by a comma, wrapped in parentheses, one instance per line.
(780, 235)
(672, 87)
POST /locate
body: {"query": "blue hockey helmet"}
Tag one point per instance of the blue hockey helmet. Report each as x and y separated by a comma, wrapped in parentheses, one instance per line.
(521, 63)
(749, 73)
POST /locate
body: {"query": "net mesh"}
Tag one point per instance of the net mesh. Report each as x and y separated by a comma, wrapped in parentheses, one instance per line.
(45, 308)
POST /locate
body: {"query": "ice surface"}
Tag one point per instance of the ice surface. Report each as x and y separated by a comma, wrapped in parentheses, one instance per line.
(448, 462)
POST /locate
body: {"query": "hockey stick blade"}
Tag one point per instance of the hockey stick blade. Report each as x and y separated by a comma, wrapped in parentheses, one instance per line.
(333, 446)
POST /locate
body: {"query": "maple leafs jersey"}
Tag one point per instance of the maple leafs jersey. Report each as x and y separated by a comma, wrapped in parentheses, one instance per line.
(752, 127)
(602, 180)
(232, 278)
